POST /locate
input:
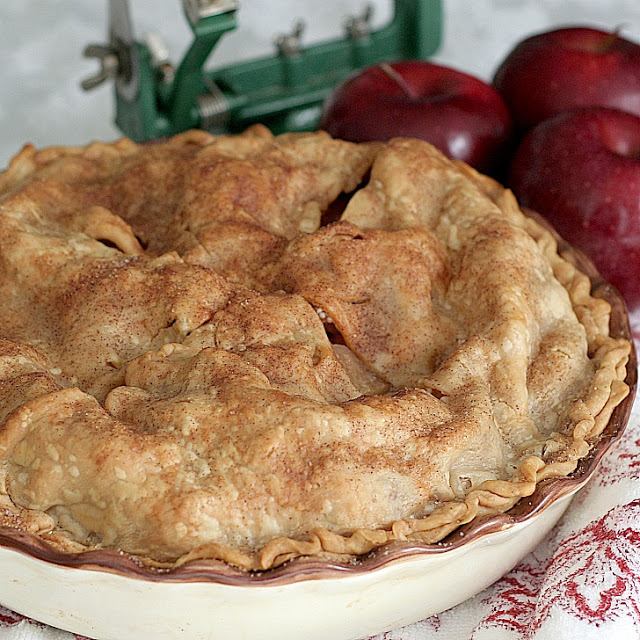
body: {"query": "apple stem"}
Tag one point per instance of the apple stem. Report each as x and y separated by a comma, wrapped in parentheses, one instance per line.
(610, 40)
(385, 67)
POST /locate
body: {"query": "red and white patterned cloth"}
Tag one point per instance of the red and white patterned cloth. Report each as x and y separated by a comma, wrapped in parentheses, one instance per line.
(582, 582)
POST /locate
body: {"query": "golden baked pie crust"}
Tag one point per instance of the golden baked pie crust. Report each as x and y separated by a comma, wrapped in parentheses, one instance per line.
(195, 362)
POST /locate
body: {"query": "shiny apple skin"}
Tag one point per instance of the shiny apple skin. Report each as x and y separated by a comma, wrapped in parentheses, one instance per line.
(581, 170)
(461, 115)
(569, 68)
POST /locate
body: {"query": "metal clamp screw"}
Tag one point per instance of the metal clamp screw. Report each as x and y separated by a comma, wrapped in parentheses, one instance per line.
(109, 65)
(359, 27)
(289, 44)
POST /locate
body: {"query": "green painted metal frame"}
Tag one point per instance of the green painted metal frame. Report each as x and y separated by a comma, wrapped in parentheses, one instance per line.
(285, 92)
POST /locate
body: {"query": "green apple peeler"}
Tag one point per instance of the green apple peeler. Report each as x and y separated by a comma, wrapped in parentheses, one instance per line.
(285, 91)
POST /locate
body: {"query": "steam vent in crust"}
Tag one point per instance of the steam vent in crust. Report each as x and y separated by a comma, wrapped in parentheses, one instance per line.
(255, 348)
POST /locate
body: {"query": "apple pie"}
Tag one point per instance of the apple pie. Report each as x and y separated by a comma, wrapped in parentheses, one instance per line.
(255, 348)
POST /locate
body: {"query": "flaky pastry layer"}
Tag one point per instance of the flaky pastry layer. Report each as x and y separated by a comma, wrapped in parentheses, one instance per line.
(253, 348)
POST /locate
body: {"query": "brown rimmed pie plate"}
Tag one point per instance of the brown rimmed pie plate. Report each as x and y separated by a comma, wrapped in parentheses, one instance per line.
(106, 594)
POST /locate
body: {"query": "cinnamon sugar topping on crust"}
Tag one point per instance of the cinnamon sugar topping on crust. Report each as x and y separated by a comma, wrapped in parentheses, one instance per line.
(193, 366)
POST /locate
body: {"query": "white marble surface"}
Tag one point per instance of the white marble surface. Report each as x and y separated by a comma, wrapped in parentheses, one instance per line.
(41, 43)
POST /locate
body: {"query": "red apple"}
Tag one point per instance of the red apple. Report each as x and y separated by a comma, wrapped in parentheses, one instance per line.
(581, 170)
(569, 68)
(461, 115)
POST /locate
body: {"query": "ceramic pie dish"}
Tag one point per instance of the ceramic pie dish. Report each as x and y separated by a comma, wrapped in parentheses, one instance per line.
(108, 596)
(172, 303)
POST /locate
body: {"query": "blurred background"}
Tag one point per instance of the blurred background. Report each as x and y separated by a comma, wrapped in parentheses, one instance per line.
(41, 45)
